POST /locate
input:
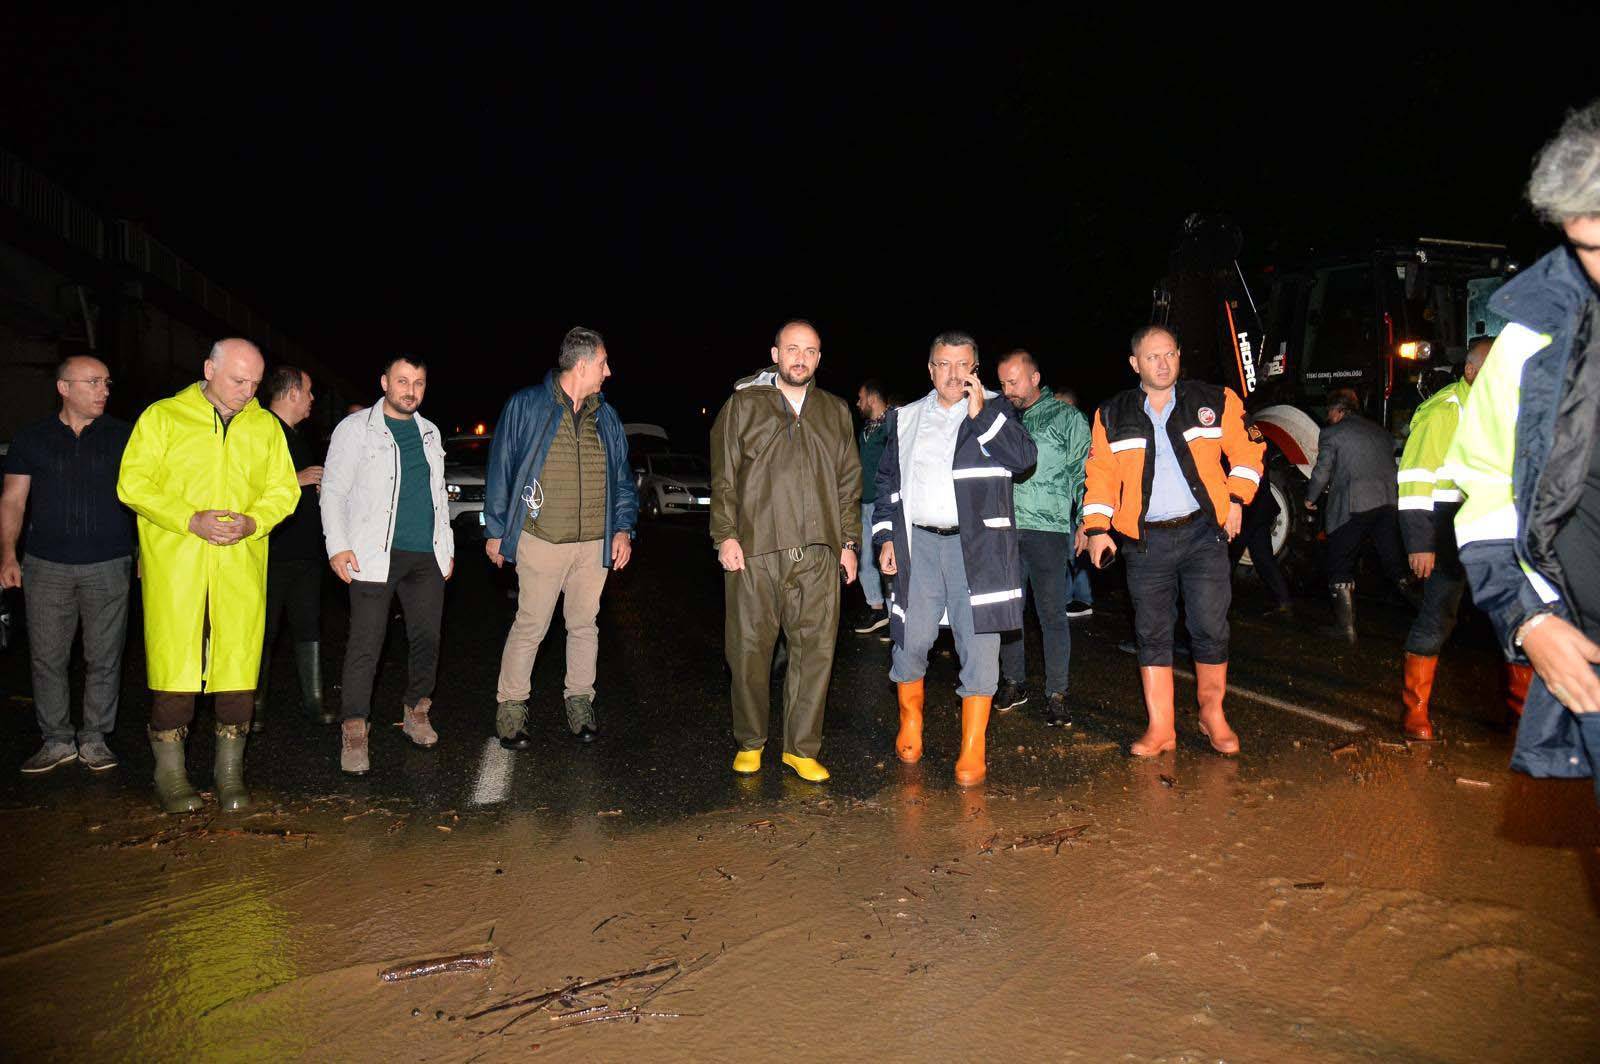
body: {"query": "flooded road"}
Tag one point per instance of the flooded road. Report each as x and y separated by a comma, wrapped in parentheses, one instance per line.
(1332, 894)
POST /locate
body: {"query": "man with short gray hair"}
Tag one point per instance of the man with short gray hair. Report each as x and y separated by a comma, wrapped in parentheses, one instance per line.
(560, 503)
(945, 530)
(1526, 458)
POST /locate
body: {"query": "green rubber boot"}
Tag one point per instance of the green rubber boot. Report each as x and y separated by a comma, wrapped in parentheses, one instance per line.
(172, 782)
(229, 767)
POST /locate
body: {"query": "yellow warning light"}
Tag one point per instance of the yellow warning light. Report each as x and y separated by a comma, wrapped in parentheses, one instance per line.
(479, 429)
(1416, 350)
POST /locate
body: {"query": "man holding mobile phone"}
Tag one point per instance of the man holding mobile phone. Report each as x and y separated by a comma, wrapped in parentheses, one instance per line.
(945, 529)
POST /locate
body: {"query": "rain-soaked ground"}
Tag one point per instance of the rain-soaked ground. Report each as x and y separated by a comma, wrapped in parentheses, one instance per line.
(1332, 894)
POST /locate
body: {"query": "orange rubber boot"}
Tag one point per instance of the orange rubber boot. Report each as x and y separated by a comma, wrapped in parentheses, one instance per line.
(1415, 694)
(1518, 677)
(908, 744)
(972, 766)
(1162, 734)
(1211, 682)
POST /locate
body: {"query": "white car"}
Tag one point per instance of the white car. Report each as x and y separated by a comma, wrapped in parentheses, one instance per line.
(466, 461)
(672, 484)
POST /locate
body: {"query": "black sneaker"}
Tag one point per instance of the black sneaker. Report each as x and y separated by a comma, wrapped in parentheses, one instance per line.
(1056, 714)
(1076, 609)
(873, 619)
(1009, 697)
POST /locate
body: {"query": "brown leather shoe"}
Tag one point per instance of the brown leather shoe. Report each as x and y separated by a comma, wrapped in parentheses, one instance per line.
(1162, 734)
(908, 744)
(1415, 693)
(972, 766)
(353, 747)
(1211, 682)
(416, 725)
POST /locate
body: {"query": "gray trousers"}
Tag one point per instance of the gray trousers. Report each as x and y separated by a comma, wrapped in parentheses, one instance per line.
(938, 584)
(59, 597)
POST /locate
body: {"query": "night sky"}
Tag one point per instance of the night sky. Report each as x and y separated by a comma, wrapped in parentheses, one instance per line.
(470, 187)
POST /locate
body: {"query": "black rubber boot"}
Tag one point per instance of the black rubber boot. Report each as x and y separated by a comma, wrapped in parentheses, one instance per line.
(1343, 597)
(308, 663)
(228, 768)
(172, 782)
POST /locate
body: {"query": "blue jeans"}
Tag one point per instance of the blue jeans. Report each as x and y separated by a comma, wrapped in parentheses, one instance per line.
(938, 583)
(1078, 588)
(1044, 570)
(57, 598)
(1191, 560)
(1441, 600)
(867, 572)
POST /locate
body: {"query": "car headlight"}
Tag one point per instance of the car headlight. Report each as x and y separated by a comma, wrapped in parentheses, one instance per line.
(676, 489)
(453, 492)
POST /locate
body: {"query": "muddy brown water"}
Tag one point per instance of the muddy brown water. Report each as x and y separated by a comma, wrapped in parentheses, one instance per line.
(1307, 906)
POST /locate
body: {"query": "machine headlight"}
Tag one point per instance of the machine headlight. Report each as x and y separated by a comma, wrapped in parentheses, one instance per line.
(453, 492)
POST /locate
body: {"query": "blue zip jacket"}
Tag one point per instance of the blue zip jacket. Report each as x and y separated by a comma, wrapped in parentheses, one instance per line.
(516, 457)
(1543, 377)
(991, 449)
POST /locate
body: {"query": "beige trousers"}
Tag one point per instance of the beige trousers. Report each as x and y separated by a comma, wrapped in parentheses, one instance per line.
(544, 572)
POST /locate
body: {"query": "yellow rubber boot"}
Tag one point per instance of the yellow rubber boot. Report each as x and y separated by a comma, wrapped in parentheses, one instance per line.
(807, 768)
(747, 762)
(972, 766)
(908, 744)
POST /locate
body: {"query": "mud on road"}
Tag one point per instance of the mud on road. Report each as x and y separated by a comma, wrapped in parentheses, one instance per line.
(1313, 905)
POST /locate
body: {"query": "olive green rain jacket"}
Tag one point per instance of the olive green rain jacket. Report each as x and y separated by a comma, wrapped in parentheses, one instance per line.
(181, 460)
(781, 479)
(1050, 497)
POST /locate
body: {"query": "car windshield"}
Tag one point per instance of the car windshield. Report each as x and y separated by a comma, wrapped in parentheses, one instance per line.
(469, 450)
(677, 465)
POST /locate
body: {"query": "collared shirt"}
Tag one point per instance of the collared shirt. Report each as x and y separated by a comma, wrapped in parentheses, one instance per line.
(929, 488)
(74, 515)
(1170, 496)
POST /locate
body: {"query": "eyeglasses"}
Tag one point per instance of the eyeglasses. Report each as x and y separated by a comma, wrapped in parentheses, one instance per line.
(93, 382)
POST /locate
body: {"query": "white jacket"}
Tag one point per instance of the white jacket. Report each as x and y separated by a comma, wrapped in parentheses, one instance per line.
(361, 487)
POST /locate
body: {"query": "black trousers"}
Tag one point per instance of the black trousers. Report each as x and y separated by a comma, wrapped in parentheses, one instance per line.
(1257, 539)
(1191, 560)
(294, 587)
(415, 577)
(1441, 599)
(1382, 527)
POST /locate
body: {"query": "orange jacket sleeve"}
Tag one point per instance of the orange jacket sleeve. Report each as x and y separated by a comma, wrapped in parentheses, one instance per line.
(1101, 487)
(1244, 454)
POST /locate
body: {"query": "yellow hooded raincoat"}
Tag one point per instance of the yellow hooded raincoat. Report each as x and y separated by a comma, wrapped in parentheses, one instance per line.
(179, 461)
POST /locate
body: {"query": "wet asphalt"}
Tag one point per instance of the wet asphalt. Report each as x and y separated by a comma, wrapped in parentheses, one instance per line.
(664, 747)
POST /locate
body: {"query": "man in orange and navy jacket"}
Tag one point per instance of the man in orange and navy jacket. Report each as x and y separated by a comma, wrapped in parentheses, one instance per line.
(1158, 488)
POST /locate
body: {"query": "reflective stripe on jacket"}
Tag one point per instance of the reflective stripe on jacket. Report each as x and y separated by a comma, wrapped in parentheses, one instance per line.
(1520, 457)
(1206, 428)
(1428, 495)
(990, 449)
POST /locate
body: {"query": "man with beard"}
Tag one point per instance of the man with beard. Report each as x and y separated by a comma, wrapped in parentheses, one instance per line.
(386, 522)
(785, 517)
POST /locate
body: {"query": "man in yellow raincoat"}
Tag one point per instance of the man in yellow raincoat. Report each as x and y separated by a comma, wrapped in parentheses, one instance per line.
(209, 475)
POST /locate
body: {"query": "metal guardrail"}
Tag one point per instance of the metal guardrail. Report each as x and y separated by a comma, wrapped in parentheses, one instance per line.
(37, 197)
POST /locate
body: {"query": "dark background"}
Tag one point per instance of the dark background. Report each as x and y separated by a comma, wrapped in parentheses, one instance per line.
(469, 187)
